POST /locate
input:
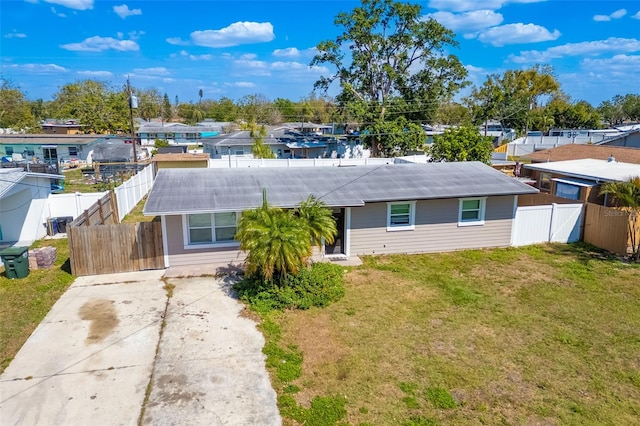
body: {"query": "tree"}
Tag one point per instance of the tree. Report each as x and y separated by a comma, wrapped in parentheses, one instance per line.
(15, 112)
(149, 103)
(461, 144)
(398, 64)
(275, 243)
(453, 114)
(200, 96)
(319, 221)
(97, 106)
(256, 109)
(620, 108)
(627, 197)
(395, 138)
(259, 149)
(167, 111)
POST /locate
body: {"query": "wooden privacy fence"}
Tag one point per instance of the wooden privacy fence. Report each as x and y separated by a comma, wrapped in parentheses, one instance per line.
(607, 228)
(106, 249)
(103, 212)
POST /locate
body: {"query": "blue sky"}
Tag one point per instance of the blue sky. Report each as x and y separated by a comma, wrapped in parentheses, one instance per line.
(235, 48)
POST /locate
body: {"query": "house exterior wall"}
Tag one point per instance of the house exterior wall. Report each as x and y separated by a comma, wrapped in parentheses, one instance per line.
(29, 151)
(587, 194)
(25, 210)
(179, 256)
(436, 228)
(182, 164)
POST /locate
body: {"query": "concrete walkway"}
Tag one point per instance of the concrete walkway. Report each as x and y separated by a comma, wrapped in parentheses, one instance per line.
(93, 357)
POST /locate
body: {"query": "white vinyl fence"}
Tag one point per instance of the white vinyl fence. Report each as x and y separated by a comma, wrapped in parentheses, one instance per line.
(133, 190)
(561, 223)
(72, 205)
(239, 162)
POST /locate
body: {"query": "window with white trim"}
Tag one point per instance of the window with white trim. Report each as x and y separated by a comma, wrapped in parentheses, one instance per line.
(73, 151)
(471, 211)
(211, 228)
(401, 216)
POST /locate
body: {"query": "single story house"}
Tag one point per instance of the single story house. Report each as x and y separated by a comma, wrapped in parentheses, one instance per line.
(50, 148)
(180, 160)
(580, 179)
(630, 138)
(174, 133)
(282, 143)
(580, 151)
(61, 127)
(24, 206)
(390, 208)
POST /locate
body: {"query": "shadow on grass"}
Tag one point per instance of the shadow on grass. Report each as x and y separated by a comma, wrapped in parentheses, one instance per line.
(585, 252)
(66, 266)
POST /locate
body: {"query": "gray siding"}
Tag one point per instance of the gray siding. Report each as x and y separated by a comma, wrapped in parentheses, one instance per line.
(436, 228)
(178, 256)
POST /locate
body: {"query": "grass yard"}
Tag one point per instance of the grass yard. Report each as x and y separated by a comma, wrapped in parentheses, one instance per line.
(539, 335)
(75, 182)
(25, 302)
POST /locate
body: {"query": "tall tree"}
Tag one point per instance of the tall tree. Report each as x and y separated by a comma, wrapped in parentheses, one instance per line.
(15, 112)
(149, 103)
(167, 111)
(97, 106)
(461, 144)
(200, 96)
(395, 54)
(256, 108)
(259, 149)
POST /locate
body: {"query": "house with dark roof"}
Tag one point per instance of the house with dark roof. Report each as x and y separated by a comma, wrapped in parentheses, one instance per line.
(174, 133)
(581, 151)
(379, 209)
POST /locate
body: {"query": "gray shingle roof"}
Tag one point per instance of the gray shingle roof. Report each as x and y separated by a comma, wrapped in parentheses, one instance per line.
(177, 191)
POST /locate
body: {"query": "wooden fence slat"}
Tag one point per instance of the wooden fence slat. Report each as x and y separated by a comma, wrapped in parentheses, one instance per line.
(607, 228)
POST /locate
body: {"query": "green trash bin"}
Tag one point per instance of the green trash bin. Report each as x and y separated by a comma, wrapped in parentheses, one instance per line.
(16, 261)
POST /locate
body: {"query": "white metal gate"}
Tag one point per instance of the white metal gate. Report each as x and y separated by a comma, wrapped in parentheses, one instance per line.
(561, 223)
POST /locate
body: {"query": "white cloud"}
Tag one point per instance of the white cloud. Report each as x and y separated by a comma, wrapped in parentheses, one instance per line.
(39, 68)
(252, 67)
(15, 34)
(184, 53)
(517, 33)
(241, 84)
(610, 45)
(292, 52)
(467, 21)
(637, 15)
(152, 71)
(177, 41)
(617, 65)
(53, 10)
(235, 34)
(100, 44)
(96, 74)
(123, 11)
(73, 4)
(615, 15)
(248, 56)
(466, 5)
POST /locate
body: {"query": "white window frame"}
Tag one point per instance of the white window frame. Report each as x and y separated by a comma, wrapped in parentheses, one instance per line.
(412, 216)
(481, 211)
(213, 244)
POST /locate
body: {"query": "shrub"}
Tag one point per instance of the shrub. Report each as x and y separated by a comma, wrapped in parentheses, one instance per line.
(318, 285)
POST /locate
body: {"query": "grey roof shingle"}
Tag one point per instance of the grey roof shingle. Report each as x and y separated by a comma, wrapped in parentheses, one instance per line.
(177, 191)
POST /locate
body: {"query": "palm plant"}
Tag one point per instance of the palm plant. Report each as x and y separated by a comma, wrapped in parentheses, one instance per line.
(319, 221)
(275, 242)
(627, 196)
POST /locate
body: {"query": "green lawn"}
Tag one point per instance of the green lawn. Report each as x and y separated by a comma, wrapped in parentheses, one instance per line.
(538, 335)
(75, 182)
(25, 302)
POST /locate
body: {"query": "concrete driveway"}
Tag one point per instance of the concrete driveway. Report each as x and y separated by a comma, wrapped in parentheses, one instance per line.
(122, 350)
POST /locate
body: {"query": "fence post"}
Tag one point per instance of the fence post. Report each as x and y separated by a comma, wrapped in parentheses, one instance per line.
(114, 205)
(552, 221)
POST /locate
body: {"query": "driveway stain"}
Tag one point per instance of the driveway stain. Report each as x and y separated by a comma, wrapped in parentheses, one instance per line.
(103, 317)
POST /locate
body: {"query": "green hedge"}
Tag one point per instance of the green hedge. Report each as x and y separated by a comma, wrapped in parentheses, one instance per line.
(318, 285)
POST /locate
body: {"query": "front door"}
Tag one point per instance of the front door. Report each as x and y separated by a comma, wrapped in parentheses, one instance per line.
(338, 245)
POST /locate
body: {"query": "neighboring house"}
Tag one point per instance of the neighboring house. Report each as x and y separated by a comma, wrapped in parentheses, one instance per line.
(180, 161)
(175, 133)
(309, 128)
(580, 179)
(24, 205)
(392, 208)
(61, 127)
(630, 138)
(50, 149)
(580, 151)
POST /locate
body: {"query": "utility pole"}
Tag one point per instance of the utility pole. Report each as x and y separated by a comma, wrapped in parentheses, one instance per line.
(133, 103)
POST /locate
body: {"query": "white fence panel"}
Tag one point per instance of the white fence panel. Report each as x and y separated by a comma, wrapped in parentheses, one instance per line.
(240, 162)
(129, 194)
(531, 225)
(61, 205)
(566, 226)
(560, 223)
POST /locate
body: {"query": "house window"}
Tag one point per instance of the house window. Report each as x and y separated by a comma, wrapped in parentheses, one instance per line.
(8, 150)
(29, 152)
(545, 182)
(401, 216)
(566, 190)
(471, 211)
(73, 151)
(207, 228)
